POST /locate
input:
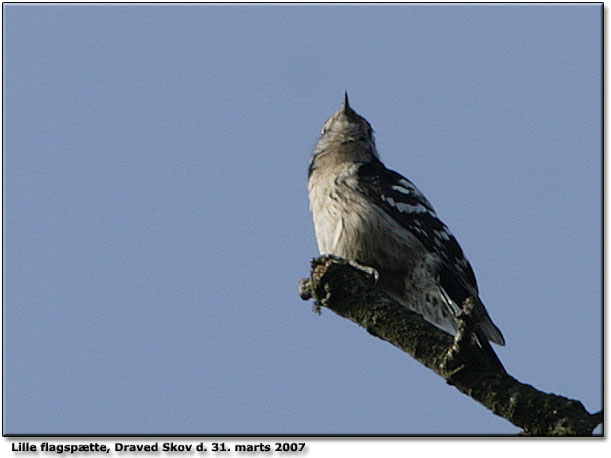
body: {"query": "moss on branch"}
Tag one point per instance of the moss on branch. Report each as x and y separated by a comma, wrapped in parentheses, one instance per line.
(350, 292)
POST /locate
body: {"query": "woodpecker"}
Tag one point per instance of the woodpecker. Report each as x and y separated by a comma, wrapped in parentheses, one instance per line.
(377, 218)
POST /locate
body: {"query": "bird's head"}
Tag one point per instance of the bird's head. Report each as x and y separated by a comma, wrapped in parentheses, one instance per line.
(347, 122)
(346, 128)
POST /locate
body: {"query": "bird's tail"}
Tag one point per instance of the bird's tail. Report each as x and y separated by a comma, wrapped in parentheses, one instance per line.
(482, 342)
(489, 329)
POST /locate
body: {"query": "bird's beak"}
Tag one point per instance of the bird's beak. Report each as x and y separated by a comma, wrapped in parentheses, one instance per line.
(346, 107)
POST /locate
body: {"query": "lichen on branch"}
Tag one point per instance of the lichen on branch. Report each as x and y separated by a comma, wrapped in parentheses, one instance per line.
(340, 286)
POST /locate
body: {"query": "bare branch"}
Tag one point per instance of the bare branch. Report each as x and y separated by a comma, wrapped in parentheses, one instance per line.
(352, 294)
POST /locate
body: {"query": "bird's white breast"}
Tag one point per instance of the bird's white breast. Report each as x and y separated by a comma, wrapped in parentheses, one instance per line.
(349, 225)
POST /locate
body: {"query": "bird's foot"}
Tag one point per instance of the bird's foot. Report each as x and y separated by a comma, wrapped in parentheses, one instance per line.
(323, 261)
(320, 266)
(455, 357)
(370, 271)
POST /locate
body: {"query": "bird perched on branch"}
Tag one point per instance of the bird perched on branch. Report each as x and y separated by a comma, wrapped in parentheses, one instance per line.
(377, 218)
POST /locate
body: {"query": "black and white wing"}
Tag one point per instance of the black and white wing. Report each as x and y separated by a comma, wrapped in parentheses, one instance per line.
(401, 199)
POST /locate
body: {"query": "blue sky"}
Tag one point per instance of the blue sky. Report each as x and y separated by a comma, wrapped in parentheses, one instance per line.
(156, 218)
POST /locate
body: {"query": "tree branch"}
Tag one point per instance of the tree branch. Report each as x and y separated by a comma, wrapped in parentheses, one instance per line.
(350, 292)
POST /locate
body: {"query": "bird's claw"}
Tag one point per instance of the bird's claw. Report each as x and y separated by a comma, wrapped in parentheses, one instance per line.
(370, 271)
